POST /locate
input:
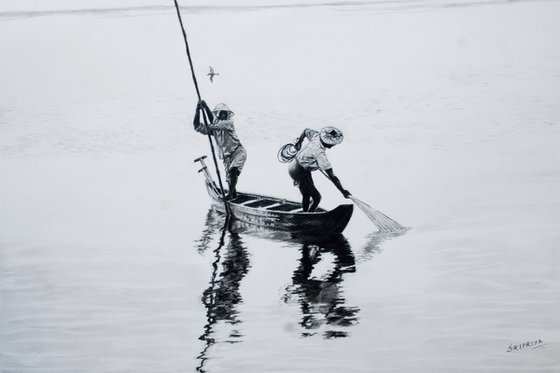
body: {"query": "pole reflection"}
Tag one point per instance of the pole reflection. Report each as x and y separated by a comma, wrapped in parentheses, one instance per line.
(230, 265)
(316, 283)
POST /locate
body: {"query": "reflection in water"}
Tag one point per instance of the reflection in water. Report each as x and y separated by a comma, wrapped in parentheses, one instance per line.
(213, 224)
(316, 285)
(320, 296)
(372, 246)
(222, 296)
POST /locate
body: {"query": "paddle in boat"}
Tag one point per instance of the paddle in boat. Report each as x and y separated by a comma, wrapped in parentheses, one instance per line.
(277, 213)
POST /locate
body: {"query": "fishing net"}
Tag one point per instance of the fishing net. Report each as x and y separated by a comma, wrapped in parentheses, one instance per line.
(287, 153)
(382, 221)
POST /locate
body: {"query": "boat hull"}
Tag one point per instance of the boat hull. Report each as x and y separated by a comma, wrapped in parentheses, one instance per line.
(280, 214)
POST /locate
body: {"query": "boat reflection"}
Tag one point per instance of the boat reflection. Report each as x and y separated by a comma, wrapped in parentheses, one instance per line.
(316, 283)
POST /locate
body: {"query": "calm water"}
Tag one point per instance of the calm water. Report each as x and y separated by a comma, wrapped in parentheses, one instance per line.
(316, 285)
(111, 261)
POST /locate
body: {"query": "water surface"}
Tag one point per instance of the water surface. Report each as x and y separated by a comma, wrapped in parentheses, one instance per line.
(111, 261)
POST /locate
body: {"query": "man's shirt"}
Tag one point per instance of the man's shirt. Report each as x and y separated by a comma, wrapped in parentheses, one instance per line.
(225, 135)
(312, 156)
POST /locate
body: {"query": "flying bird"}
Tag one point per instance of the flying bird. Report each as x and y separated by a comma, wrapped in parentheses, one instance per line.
(212, 74)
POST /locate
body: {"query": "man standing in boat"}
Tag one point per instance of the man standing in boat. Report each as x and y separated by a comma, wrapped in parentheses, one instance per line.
(312, 157)
(231, 151)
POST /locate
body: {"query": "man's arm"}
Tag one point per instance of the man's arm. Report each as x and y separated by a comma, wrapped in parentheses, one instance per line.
(306, 133)
(337, 183)
(209, 113)
(198, 126)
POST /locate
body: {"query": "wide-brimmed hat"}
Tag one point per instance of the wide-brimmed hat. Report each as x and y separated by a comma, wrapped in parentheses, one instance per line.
(223, 107)
(331, 135)
(287, 153)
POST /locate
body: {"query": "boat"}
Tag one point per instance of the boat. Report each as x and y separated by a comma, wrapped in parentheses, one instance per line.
(277, 213)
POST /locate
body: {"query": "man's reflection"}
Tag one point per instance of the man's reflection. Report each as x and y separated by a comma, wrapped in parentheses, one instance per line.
(230, 265)
(320, 295)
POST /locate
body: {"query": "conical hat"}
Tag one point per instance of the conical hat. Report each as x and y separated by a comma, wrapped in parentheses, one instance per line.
(222, 107)
(331, 135)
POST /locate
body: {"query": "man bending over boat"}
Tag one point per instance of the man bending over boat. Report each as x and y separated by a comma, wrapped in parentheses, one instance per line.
(312, 157)
(231, 151)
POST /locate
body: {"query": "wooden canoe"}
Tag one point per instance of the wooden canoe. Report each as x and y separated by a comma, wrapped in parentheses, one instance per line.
(277, 213)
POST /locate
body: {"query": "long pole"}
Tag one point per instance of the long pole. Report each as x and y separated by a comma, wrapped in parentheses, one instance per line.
(203, 113)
